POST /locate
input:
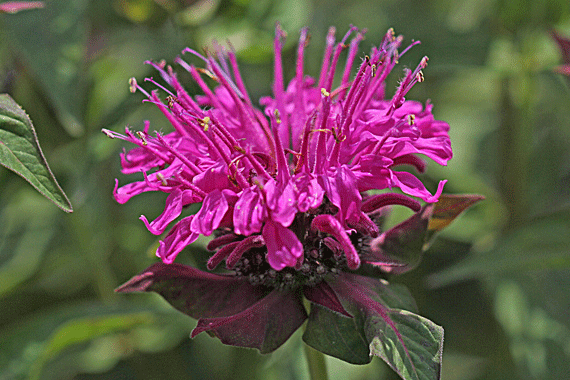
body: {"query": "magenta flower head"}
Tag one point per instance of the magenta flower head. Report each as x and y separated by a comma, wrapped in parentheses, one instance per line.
(293, 195)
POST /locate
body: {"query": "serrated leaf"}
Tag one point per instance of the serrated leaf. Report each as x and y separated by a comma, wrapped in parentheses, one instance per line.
(410, 344)
(20, 152)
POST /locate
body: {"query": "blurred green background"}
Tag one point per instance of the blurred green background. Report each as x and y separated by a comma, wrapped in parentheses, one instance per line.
(497, 280)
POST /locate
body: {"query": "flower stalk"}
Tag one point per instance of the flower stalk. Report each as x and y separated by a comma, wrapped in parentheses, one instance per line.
(317, 364)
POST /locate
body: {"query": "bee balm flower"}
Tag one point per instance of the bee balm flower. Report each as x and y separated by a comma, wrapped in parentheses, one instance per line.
(284, 189)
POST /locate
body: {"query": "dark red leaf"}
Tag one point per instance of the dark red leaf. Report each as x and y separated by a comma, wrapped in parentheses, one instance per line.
(196, 293)
(400, 248)
(265, 325)
(323, 295)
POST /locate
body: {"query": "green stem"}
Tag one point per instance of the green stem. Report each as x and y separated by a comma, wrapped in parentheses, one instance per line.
(317, 364)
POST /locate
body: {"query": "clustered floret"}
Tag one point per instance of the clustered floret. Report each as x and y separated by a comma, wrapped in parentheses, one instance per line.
(285, 190)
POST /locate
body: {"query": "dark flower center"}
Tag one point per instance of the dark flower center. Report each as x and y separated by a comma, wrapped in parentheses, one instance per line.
(321, 257)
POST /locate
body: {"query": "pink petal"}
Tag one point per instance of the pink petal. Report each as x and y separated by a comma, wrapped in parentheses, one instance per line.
(174, 204)
(283, 246)
(342, 191)
(213, 210)
(409, 184)
(249, 212)
(178, 238)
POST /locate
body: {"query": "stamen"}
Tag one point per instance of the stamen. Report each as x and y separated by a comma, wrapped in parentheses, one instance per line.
(352, 51)
(142, 136)
(133, 85)
(189, 164)
(151, 80)
(162, 179)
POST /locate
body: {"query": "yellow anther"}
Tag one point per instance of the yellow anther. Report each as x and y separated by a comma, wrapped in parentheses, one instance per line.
(142, 137)
(420, 76)
(325, 92)
(170, 100)
(133, 85)
(162, 179)
(205, 123)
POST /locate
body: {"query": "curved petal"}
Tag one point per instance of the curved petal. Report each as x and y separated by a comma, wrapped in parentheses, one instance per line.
(174, 204)
(249, 212)
(178, 238)
(213, 210)
(283, 246)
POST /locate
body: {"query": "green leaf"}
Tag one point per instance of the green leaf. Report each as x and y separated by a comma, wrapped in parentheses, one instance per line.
(337, 336)
(51, 43)
(411, 344)
(31, 344)
(24, 239)
(20, 152)
(408, 343)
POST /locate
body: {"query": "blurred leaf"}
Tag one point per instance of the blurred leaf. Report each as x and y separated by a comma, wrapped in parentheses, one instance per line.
(539, 341)
(543, 243)
(29, 344)
(24, 239)
(20, 152)
(52, 43)
(81, 330)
